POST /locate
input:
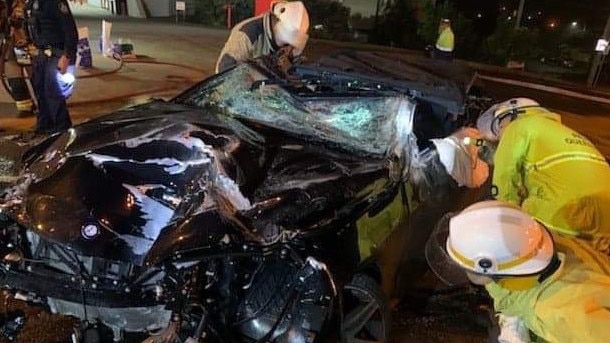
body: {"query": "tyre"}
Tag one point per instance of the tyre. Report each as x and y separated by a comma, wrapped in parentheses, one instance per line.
(366, 315)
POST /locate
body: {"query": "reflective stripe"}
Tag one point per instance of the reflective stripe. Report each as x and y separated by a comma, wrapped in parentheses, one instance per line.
(24, 105)
(597, 258)
(553, 160)
(443, 48)
(502, 266)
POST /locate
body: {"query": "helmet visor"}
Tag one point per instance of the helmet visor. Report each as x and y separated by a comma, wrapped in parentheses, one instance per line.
(439, 260)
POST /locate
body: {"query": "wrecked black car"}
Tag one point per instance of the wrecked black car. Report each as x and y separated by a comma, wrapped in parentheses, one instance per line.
(228, 214)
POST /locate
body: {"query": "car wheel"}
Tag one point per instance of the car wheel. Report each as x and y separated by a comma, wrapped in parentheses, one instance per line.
(366, 315)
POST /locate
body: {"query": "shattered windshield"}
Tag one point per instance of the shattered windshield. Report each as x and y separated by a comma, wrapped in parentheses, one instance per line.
(364, 123)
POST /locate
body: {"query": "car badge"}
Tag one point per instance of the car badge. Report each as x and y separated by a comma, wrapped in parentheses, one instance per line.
(89, 231)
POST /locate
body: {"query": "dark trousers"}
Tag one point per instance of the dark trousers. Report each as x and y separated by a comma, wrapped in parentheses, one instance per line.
(442, 55)
(53, 113)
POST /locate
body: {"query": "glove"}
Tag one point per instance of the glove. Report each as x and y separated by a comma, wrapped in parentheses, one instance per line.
(284, 59)
(461, 158)
(66, 81)
(512, 330)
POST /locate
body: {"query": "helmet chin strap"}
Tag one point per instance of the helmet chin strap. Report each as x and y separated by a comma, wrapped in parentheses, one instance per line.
(512, 114)
(550, 269)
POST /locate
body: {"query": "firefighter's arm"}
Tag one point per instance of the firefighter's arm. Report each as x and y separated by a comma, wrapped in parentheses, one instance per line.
(70, 32)
(238, 48)
(509, 162)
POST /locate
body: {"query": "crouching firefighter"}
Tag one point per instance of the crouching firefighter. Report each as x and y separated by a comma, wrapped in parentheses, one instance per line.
(13, 50)
(285, 26)
(554, 286)
(54, 37)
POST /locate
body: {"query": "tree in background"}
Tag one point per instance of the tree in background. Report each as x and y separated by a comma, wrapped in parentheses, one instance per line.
(213, 12)
(508, 43)
(244, 9)
(329, 19)
(397, 25)
(208, 12)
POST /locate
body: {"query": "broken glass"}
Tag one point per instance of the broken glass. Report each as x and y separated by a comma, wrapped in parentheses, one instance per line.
(368, 124)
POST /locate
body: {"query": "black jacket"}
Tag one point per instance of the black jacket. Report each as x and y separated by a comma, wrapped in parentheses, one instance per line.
(51, 24)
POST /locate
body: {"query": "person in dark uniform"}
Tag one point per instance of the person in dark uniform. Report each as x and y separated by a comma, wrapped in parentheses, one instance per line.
(53, 33)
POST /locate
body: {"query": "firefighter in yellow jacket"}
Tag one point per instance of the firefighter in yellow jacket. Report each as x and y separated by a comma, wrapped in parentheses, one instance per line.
(551, 171)
(554, 286)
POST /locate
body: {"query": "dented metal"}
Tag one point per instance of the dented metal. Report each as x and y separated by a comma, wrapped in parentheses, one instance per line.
(210, 192)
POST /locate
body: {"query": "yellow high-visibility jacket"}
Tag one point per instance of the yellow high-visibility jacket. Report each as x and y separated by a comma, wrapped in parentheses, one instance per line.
(572, 305)
(446, 40)
(555, 175)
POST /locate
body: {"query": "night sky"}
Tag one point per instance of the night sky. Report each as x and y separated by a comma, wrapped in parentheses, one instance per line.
(593, 12)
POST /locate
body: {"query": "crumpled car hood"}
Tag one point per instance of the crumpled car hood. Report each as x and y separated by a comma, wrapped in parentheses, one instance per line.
(110, 187)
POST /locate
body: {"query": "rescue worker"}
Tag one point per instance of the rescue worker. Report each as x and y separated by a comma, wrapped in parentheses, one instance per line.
(285, 25)
(53, 32)
(445, 43)
(557, 288)
(549, 170)
(15, 38)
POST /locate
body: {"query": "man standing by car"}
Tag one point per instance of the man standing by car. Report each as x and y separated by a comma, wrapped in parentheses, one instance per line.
(53, 33)
(285, 26)
(445, 43)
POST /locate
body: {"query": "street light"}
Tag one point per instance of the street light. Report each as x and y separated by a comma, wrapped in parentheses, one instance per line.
(574, 23)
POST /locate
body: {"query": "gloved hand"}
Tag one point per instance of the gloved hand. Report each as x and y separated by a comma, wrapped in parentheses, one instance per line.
(284, 59)
(62, 64)
(512, 330)
(459, 154)
(66, 81)
(300, 59)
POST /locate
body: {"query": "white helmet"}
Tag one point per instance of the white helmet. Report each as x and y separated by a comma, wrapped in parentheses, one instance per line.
(493, 239)
(498, 239)
(292, 25)
(489, 122)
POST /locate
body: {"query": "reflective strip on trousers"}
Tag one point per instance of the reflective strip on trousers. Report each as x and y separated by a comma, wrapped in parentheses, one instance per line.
(441, 48)
(24, 105)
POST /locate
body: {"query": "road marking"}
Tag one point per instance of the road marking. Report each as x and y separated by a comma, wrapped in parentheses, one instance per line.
(548, 89)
